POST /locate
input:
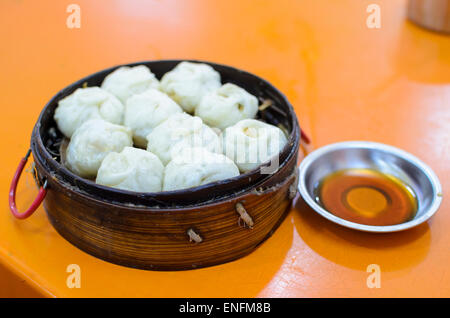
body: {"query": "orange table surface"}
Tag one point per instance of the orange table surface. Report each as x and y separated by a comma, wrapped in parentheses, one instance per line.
(346, 82)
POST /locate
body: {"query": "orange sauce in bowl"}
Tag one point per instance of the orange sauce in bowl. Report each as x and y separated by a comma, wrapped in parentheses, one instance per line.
(367, 196)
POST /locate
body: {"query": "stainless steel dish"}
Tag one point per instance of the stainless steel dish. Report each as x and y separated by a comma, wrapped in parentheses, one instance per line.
(371, 155)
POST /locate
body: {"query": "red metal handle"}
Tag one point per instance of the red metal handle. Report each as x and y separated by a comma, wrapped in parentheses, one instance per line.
(305, 144)
(304, 137)
(12, 192)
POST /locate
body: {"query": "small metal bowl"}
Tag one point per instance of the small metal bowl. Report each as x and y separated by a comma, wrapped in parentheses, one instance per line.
(371, 155)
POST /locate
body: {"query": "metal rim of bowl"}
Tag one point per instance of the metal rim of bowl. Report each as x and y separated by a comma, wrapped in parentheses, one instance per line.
(432, 177)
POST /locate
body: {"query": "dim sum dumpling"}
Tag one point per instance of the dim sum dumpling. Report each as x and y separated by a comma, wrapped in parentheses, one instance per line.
(197, 166)
(145, 111)
(188, 82)
(226, 106)
(251, 142)
(127, 81)
(90, 144)
(85, 104)
(180, 131)
(132, 169)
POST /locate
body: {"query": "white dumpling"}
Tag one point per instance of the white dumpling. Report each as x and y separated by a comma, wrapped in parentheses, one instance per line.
(132, 169)
(127, 81)
(188, 82)
(250, 143)
(180, 131)
(90, 144)
(85, 104)
(145, 111)
(197, 166)
(226, 106)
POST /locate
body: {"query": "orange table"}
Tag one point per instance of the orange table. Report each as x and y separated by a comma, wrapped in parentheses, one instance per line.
(346, 81)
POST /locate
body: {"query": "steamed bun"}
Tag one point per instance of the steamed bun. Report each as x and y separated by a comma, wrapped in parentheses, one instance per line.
(145, 111)
(85, 104)
(132, 169)
(188, 82)
(226, 106)
(197, 166)
(180, 131)
(90, 144)
(127, 81)
(250, 143)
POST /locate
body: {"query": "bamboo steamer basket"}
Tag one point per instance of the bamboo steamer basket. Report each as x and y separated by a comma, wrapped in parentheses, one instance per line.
(175, 230)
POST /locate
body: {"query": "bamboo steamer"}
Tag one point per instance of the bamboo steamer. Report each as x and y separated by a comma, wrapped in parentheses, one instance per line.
(174, 230)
